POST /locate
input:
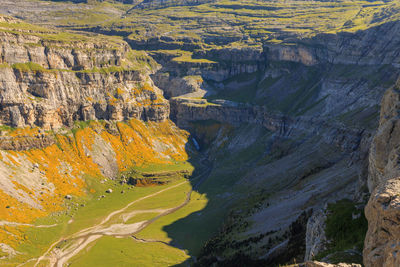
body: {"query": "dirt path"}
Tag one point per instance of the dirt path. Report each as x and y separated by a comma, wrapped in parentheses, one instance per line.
(61, 251)
(2, 223)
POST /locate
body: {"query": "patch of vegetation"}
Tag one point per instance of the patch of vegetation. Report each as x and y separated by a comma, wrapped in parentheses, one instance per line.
(344, 232)
(110, 251)
(29, 66)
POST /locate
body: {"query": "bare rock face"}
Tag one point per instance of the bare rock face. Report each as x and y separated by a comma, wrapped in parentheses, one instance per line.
(323, 264)
(344, 48)
(384, 157)
(315, 235)
(184, 111)
(51, 84)
(382, 242)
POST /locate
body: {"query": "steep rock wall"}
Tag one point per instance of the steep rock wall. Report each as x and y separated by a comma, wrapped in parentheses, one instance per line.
(51, 84)
(184, 111)
(383, 209)
(344, 47)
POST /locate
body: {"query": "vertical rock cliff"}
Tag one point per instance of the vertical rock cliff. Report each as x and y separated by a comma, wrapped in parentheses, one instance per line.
(383, 210)
(51, 79)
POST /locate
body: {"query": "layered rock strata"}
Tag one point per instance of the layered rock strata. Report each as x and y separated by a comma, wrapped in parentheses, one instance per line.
(49, 83)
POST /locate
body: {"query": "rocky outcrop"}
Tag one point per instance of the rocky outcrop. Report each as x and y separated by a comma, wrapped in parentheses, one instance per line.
(383, 213)
(343, 48)
(167, 3)
(21, 143)
(50, 84)
(315, 235)
(184, 111)
(383, 159)
(323, 264)
(383, 209)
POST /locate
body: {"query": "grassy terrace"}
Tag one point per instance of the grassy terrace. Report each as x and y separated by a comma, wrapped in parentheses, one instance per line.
(246, 21)
(48, 34)
(133, 60)
(205, 26)
(214, 24)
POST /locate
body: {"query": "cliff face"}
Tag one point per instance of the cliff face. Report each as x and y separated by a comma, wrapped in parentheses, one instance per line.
(382, 211)
(49, 83)
(344, 48)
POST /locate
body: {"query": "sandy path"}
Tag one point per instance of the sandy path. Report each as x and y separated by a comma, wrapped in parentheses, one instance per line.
(2, 223)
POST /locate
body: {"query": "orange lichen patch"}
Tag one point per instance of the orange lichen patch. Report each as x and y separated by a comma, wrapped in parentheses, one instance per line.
(136, 144)
(11, 235)
(12, 209)
(113, 101)
(19, 186)
(176, 139)
(13, 162)
(119, 91)
(23, 132)
(147, 87)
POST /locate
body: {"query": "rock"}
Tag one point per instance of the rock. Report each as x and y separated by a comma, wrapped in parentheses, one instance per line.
(315, 235)
(68, 197)
(109, 190)
(324, 264)
(383, 158)
(51, 98)
(185, 111)
(382, 244)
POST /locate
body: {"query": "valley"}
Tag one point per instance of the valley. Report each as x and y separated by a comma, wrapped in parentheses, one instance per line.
(199, 133)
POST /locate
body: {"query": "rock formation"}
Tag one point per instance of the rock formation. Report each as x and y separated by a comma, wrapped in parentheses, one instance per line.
(382, 211)
(53, 83)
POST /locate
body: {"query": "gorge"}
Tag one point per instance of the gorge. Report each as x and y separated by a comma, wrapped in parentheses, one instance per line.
(199, 133)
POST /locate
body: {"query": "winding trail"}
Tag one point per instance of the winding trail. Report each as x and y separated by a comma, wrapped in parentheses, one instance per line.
(61, 251)
(2, 223)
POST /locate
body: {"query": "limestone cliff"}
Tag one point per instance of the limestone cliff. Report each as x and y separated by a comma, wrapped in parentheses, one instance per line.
(50, 83)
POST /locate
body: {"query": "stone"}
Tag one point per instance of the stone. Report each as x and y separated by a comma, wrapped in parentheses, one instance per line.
(315, 234)
(324, 264)
(382, 241)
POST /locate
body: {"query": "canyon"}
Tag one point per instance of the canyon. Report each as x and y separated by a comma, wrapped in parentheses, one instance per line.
(221, 133)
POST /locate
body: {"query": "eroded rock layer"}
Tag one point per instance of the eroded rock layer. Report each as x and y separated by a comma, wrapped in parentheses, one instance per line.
(49, 83)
